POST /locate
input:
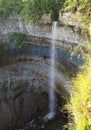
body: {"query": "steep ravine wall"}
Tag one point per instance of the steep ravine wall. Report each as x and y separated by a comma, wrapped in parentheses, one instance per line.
(40, 33)
(24, 90)
(24, 74)
(66, 36)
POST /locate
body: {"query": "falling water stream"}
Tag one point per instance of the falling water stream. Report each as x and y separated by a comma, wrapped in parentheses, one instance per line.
(51, 113)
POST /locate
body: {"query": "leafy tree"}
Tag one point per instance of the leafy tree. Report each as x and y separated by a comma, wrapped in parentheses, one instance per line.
(30, 10)
(9, 6)
(84, 6)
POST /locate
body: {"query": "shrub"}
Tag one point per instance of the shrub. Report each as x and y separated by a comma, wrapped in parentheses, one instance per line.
(30, 10)
(84, 6)
(8, 6)
(80, 101)
(17, 37)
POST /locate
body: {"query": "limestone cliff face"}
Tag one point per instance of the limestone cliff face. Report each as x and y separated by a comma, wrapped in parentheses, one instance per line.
(75, 20)
(66, 36)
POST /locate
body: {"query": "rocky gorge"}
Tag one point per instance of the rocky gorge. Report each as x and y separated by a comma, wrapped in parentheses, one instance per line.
(24, 72)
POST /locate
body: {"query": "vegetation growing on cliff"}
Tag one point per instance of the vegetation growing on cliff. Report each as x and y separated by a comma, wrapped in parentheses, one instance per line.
(10, 6)
(80, 101)
(83, 6)
(17, 37)
(30, 10)
(34, 8)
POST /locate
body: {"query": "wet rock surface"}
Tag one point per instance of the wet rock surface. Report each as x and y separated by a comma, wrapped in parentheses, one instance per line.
(57, 123)
(19, 106)
(24, 86)
(23, 95)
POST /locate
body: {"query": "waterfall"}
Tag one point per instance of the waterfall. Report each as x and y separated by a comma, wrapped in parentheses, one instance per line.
(51, 113)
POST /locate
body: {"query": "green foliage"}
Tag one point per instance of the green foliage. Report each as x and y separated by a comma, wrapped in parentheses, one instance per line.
(80, 101)
(17, 37)
(1, 47)
(15, 41)
(22, 46)
(78, 5)
(4, 46)
(84, 6)
(9, 6)
(34, 8)
(30, 10)
(66, 26)
(63, 69)
(79, 105)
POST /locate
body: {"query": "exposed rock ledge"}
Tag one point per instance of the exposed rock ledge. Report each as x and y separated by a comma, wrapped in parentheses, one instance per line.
(65, 35)
(34, 73)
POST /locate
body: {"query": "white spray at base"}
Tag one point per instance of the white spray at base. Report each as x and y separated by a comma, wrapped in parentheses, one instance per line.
(52, 104)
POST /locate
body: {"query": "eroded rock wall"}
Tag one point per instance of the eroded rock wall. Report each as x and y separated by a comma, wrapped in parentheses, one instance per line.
(24, 87)
(24, 77)
(66, 36)
(75, 21)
